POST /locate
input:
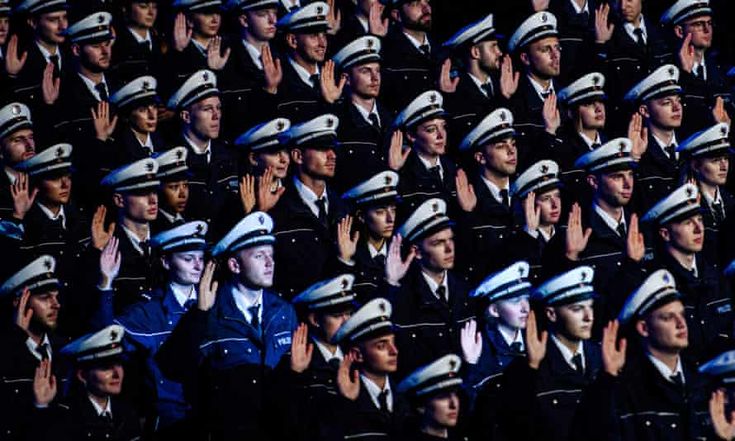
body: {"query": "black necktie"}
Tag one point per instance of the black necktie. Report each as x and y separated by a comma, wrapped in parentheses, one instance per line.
(516, 348)
(504, 197)
(334, 363)
(546, 94)
(718, 212)
(577, 360)
(42, 350)
(254, 318)
(146, 46)
(639, 38)
(374, 121)
(145, 247)
(699, 72)
(435, 172)
(383, 401)
(677, 379)
(379, 260)
(315, 82)
(595, 146)
(671, 151)
(621, 229)
(54, 59)
(189, 304)
(321, 205)
(425, 49)
(441, 292)
(488, 89)
(102, 91)
(106, 418)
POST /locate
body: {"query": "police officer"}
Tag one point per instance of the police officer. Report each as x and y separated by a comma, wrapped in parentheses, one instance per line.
(408, 56)
(213, 184)
(649, 391)
(561, 361)
(425, 168)
(250, 79)
(430, 300)
(33, 295)
(367, 406)
(315, 357)
(373, 206)
(136, 106)
(658, 97)
(434, 394)
(173, 195)
(137, 43)
(679, 234)
(149, 323)
(134, 189)
(486, 81)
(93, 408)
(16, 145)
(225, 350)
(364, 121)
(708, 162)
(26, 62)
(308, 88)
(307, 213)
(486, 201)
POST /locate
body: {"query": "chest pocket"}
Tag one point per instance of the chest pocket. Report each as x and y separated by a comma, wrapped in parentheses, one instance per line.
(651, 425)
(230, 352)
(559, 403)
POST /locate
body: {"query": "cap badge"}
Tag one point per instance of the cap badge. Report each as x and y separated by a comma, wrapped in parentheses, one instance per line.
(723, 131)
(595, 80)
(319, 10)
(388, 180)
(199, 228)
(689, 191)
(261, 219)
(672, 72)
(146, 85)
(666, 278)
(330, 122)
(435, 207)
(544, 169)
(205, 76)
(345, 283)
(59, 152)
(47, 264)
(583, 276)
(452, 364)
(503, 116)
(113, 335)
(179, 154)
(280, 125)
(15, 110)
(544, 18)
(100, 18)
(370, 43)
(149, 166)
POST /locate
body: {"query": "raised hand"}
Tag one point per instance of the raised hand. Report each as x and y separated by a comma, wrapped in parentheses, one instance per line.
(471, 342)
(508, 78)
(377, 25)
(397, 155)
(22, 195)
(110, 259)
(271, 70)
(331, 91)
(540, 5)
(577, 238)
(267, 198)
(552, 118)
(603, 29)
(613, 351)
(334, 18)
(395, 267)
(347, 244)
(44, 384)
(635, 246)
(247, 193)
(465, 192)
(686, 54)
(100, 236)
(216, 59)
(722, 423)
(182, 32)
(14, 63)
(301, 349)
(446, 83)
(50, 87)
(104, 126)
(207, 288)
(638, 135)
(531, 212)
(535, 343)
(348, 381)
(719, 113)
(22, 313)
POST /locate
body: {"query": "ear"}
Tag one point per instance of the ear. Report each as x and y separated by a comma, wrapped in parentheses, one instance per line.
(643, 110)
(32, 22)
(118, 200)
(417, 250)
(166, 263)
(185, 116)
(493, 310)
(357, 354)
(252, 160)
(592, 181)
(395, 15)
(291, 41)
(297, 156)
(550, 314)
(80, 376)
(360, 215)
(475, 52)
(642, 328)
(410, 136)
(311, 318)
(76, 50)
(679, 31)
(233, 265)
(664, 234)
(479, 158)
(243, 20)
(524, 59)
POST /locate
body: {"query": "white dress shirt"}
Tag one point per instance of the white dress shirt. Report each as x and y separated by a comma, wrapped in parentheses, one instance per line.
(569, 355)
(309, 197)
(373, 390)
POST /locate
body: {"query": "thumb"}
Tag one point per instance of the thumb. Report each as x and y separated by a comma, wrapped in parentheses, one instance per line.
(111, 228)
(280, 191)
(587, 233)
(356, 236)
(23, 57)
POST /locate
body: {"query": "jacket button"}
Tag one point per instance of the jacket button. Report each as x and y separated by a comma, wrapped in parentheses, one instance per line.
(225, 351)
(254, 381)
(648, 423)
(554, 401)
(673, 425)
